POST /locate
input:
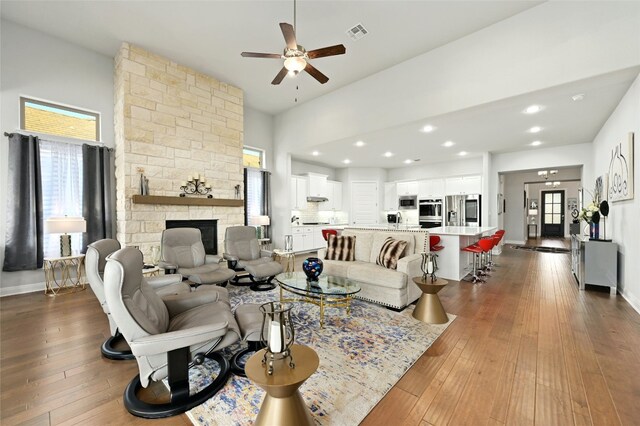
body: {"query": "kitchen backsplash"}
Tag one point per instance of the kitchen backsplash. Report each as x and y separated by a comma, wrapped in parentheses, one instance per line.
(313, 214)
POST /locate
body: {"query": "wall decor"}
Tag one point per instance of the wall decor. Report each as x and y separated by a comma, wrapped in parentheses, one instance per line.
(621, 171)
(600, 190)
(533, 204)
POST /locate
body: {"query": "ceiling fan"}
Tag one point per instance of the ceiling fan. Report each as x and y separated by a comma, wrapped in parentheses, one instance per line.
(296, 58)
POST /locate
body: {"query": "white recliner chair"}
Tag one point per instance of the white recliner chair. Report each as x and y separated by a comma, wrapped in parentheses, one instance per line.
(167, 336)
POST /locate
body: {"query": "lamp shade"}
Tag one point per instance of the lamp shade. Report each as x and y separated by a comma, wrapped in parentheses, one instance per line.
(259, 220)
(64, 225)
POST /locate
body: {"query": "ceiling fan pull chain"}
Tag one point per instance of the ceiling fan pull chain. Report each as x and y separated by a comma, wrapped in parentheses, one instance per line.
(294, 17)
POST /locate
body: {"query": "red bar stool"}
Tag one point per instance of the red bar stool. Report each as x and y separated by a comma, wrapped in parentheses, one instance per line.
(327, 232)
(486, 244)
(433, 243)
(476, 250)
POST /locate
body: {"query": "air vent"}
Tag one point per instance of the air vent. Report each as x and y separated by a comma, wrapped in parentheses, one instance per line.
(357, 32)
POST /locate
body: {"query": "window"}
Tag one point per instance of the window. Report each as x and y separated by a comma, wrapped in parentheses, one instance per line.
(253, 157)
(254, 204)
(46, 117)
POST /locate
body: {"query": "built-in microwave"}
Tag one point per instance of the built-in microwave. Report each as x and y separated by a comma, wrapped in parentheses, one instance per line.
(407, 202)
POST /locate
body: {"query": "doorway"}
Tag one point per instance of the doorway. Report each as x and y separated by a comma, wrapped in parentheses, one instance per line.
(552, 214)
(364, 203)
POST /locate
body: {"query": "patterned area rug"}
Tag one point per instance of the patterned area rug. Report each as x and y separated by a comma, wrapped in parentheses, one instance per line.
(361, 358)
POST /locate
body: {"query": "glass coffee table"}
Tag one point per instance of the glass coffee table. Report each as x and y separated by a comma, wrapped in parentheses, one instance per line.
(327, 291)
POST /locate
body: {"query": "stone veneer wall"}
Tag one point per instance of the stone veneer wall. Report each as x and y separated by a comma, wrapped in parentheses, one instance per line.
(173, 121)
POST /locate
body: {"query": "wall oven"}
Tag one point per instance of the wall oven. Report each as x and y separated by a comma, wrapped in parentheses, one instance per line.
(430, 210)
(407, 202)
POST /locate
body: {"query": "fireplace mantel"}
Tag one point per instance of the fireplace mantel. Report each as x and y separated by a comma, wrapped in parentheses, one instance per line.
(187, 201)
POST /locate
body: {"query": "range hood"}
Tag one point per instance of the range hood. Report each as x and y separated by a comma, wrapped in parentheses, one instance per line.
(317, 199)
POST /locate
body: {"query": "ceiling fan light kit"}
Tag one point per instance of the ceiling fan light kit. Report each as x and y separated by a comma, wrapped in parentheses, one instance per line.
(296, 58)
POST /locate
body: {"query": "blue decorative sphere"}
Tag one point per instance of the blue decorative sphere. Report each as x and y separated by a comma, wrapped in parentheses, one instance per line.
(312, 267)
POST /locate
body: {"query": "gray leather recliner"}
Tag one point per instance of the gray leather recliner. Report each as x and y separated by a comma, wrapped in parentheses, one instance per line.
(167, 335)
(242, 251)
(182, 250)
(95, 261)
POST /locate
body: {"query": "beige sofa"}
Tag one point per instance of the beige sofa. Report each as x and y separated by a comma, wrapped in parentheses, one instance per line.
(388, 287)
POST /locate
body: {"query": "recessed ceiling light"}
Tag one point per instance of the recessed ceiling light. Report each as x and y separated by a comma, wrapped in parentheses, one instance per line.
(448, 144)
(578, 97)
(346, 161)
(532, 109)
(315, 153)
(428, 128)
(535, 129)
(408, 161)
(536, 143)
(360, 144)
(388, 154)
(462, 153)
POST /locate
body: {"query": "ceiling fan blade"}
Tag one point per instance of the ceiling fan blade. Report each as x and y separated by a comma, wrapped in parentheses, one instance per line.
(338, 49)
(316, 74)
(280, 76)
(261, 55)
(289, 35)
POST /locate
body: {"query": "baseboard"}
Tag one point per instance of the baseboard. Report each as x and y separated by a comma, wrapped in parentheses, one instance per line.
(631, 299)
(22, 289)
(514, 242)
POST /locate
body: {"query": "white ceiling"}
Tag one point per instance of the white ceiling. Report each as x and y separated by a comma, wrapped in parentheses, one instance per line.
(209, 35)
(495, 127)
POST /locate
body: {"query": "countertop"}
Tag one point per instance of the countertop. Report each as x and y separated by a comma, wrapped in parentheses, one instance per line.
(463, 231)
(323, 225)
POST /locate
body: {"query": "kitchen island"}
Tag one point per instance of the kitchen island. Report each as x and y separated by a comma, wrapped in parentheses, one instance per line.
(453, 263)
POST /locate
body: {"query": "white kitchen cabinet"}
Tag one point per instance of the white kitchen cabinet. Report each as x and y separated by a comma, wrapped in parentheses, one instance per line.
(318, 239)
(390, 196)
(408, 188)
(463, 185)
(334, 194)
(298, 193)
(430, 188)
(317, 186)
(303, 238)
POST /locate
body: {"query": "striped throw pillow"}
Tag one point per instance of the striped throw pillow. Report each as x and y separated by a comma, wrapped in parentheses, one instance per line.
(390, 252)
(341, 248)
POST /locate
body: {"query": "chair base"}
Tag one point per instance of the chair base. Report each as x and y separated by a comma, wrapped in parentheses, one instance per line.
(237, 367)
(181, 401)
(264, 284)
(110, 352)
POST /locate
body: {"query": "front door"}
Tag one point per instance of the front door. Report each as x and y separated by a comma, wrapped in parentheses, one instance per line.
(552, 214)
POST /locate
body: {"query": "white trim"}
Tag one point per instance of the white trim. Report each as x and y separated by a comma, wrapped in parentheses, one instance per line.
(515, 242)
(631, 299)
(22, 289)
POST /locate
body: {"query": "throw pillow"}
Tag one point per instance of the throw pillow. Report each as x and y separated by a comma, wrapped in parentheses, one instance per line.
(390, 252)
(341, 248)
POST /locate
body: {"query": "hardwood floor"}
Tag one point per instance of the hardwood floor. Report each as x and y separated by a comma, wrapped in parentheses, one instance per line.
(527, 348)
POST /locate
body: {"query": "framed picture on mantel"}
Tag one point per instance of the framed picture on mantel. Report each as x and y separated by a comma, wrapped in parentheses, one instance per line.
(620, 183)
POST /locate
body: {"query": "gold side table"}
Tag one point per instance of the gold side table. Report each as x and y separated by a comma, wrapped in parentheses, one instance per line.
(288, 257)
(429, 308)
(151, 272)
(283, 405)
(71, 278)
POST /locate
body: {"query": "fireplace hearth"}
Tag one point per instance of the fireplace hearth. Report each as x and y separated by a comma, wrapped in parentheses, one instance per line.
(208, 228)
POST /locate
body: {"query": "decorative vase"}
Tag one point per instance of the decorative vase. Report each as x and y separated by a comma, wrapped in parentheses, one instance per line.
(277, 334)
(594, 231)
(288, 243)
(312, 267)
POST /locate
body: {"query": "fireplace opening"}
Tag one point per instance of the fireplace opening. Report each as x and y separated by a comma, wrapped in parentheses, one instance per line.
(208, 228)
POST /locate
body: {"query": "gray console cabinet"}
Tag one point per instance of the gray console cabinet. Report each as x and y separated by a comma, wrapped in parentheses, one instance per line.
(594, 262)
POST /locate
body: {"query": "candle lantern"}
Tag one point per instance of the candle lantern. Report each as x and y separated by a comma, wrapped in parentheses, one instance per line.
(277, 334)
(429, 266)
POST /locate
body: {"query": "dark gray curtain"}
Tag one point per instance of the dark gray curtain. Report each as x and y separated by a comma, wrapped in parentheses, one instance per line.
(266, 200)
(98, 193)
(23, 240)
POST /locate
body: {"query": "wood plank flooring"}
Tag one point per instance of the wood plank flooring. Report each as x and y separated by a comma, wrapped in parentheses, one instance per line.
(527, 348)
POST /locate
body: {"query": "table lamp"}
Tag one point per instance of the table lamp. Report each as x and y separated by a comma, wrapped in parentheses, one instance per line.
(64, 226)
(259, 222)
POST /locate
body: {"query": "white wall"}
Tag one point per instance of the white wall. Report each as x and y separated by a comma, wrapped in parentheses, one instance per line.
(38, 65)
(300, 168)
(471, 166)
(258, 132)
(623, 224)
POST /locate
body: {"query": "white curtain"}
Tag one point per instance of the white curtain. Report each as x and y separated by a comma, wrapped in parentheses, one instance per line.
(255, 193)
(61, 165)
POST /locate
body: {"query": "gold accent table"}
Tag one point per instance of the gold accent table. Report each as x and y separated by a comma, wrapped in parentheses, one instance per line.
(283, 405)
(67, 282)
(429, 308)
(288, 257)
(151, 272)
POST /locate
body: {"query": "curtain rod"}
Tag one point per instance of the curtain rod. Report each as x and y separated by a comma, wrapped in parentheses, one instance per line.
(65, 142)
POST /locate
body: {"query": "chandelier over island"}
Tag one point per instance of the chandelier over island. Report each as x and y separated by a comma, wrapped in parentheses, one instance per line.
(196, 185)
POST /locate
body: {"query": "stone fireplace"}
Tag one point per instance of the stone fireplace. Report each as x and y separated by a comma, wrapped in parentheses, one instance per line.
(172, 122)
(208, 229)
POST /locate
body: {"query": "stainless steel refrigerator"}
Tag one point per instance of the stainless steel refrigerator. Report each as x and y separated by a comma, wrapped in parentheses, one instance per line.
(463, 210)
